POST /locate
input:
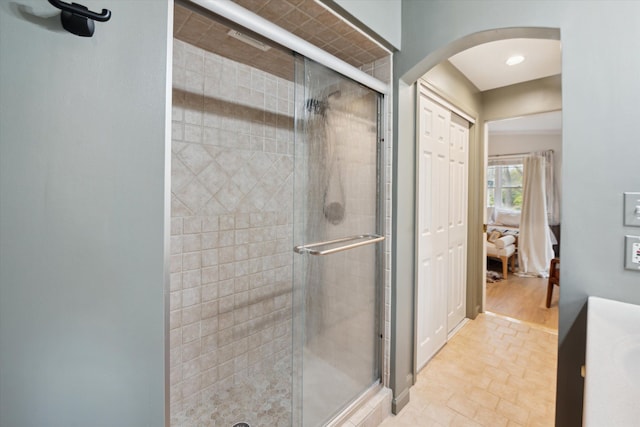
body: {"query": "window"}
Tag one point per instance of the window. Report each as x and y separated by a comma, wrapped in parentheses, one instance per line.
(504, 186)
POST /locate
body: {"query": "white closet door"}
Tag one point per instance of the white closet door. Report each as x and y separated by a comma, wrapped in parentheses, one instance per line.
(458, 188)
(433, 129)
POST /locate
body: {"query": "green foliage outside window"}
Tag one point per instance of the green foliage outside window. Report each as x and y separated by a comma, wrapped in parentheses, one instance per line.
(505, 180)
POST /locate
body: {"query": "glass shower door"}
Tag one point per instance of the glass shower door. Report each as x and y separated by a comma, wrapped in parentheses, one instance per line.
(337, 231)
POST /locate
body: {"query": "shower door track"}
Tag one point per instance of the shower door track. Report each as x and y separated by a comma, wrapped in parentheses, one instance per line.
(253, 22)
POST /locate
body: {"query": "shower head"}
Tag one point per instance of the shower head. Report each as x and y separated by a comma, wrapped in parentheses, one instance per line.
(315, 106)
(319, 106)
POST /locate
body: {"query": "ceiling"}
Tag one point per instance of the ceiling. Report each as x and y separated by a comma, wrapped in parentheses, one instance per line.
(311, 21)
(305, 18)
(485, 66)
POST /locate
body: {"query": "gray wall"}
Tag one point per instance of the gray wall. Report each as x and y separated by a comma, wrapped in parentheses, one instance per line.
(82, 216)
(448, 82)
(522, 99)
(524, 142)
(381, 16)
(599, 94)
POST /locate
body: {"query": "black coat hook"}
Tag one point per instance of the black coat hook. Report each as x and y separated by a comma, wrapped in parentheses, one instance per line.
(78, 19)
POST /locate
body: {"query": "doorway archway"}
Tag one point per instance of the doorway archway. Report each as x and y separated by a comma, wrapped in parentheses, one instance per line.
(403, 258)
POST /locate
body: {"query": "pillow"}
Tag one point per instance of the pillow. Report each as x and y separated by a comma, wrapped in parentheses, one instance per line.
(507, 217)
(493, 236)
(505, 241)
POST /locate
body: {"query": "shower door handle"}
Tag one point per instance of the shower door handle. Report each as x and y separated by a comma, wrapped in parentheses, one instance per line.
(364, 239)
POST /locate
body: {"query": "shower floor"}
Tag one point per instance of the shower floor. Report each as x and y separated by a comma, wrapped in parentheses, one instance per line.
(264, 399)
(261, 400)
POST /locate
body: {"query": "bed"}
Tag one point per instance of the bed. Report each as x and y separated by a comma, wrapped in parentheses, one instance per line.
(506, 221)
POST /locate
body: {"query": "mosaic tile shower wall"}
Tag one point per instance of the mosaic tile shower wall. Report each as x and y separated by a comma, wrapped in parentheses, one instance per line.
(231, 240)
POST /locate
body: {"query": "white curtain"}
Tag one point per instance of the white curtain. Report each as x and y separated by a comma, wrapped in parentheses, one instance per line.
(551, 187)
(552, 192)
(535, 249)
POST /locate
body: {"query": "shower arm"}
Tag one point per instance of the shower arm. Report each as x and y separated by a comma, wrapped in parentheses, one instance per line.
(369, 240)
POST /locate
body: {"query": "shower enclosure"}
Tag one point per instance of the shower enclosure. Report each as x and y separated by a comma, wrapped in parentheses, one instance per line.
(337, 339)
(276, 279)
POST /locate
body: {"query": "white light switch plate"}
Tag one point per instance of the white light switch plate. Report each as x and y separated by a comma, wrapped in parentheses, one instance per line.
(632, 253)
(632, 209)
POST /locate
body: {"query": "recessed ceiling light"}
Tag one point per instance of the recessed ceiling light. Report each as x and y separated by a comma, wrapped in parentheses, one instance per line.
(515, 60)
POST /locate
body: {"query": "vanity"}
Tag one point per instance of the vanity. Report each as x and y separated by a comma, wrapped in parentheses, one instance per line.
(612, 377)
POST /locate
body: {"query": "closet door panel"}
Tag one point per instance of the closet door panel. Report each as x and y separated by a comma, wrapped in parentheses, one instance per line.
(458, 196)
(433, 133)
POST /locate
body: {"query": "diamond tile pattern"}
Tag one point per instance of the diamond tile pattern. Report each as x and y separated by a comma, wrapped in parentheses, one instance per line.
(244, 181)
(230, 298)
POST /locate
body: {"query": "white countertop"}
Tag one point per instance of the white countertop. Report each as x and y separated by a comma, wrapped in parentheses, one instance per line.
(612, 381)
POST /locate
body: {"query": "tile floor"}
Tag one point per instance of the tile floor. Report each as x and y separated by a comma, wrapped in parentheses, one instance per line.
(495, 372)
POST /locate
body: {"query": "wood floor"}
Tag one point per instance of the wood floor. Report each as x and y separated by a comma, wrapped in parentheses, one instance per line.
(522, 298)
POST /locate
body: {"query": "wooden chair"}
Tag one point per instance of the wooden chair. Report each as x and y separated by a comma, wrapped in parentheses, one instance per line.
(554, 278)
